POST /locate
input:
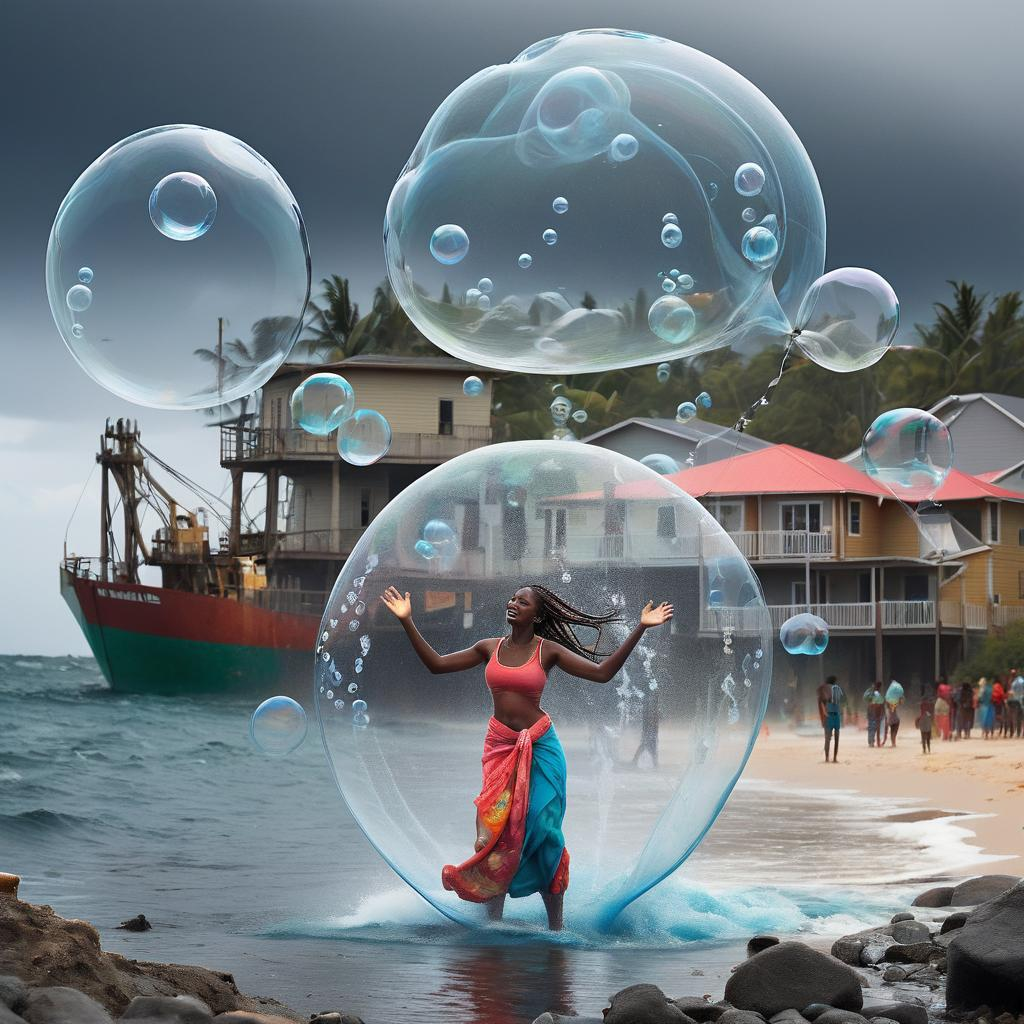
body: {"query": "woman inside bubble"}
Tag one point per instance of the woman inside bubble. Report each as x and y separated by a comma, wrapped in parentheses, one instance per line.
(519, 848)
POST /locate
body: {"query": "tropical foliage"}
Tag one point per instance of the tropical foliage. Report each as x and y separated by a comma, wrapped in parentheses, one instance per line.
(999, 653)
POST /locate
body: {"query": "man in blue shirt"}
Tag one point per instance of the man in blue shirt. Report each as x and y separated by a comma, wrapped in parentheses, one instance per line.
(830, 699)
(1015, 704)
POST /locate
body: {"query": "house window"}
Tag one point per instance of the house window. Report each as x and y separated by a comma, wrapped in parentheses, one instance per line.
(1020, 536)
(799, 592)
(666, 521)
(864, 587)
(801, 516)
(993, 522)
(554, 530)
(446, 417)
(728, 513)
(970, 519)
(854, 518)
(995, 599)
(364, 506)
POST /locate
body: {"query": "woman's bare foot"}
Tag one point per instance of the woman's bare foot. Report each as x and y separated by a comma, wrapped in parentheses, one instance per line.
(553, 905)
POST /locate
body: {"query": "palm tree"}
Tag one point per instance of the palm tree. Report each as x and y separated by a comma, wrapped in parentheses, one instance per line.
(330, 322)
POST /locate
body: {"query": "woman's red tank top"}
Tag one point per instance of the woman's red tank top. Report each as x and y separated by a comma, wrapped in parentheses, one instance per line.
(528, 679)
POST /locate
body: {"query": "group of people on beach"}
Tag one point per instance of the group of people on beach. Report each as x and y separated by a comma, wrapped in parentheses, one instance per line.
(950, 711)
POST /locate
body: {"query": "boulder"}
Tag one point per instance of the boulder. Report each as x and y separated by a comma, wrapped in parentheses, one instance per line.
(8, 1016)
(896, 918)
(699, 1009)
(894, 973)
(548, 306)
(908, 931)
(60, 1005)
(244, 1017)
(848, 949)
(558, 1018)
(172, 1009)
(12, 992)
(909, 953)
(938, 897)
(792, 974)
(136, 924)
(982, 889)
(842, 1017)
(874, 952)
(46, 949)
(643, 1004)
(759, 943)
(741, 1017)
(955, 920)
(986, 957)
(902, 1013)
(788, 1017)
(815, 1010)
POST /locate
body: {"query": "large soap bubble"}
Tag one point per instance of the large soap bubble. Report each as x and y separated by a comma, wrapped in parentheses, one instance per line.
(804, 633)
(619, 127)
(322, 402)
(651, 756)
(909, 451)
(178, 269)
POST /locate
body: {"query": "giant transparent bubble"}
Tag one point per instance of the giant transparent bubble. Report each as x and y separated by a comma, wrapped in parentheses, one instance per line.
(178, 269)
(642, 147)
(599, 529)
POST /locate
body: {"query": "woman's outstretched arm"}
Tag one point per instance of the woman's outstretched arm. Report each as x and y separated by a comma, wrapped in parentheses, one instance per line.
(401, 608)
(604, 671)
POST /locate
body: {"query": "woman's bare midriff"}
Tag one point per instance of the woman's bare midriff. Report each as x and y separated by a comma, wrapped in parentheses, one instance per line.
(515, 710)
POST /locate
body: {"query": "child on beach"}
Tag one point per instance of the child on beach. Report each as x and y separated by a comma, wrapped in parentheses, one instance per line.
(942, 724)
(924, 723)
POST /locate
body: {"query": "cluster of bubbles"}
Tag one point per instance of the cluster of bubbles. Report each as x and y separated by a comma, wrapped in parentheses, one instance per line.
(438, 540)
(675, 280)
(325, 402)
(348, 609)
(202, 253)
(804, 633)
(909, 452)
(278, 726)
(686, 411)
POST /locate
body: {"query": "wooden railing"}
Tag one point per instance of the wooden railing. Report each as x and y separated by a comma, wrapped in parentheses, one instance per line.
(242, 444)
(324, 542)
(1004, 614)
(763, 544)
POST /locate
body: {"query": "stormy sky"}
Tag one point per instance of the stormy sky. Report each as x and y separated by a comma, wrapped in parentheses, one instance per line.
(909, 111)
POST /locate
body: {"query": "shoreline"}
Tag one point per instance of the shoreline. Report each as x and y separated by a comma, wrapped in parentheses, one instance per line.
(976, 784)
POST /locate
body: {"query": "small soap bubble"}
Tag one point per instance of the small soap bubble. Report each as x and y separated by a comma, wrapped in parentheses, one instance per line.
(472, 387)
(749, 179)
(351, 597)
(326, 656)
(79, 298)
(449, 244)
(525, 261)
(712, 190)
(321, 403)
(325, 635)
(85, 275)
(566, 577)
(550, 236)
(358, 705)
(673, 273)
(77, 330)
(670, 218)
(581, 416)
(624, 147)
(353, 625)
(486, 285)
(334, 623)
(359, 665)
(364, 438)
(425, 549)
(685, 412)
(560, 204)
(338, 705)
(560, 409)
(663, 373)
(747, 663)
(804, 634)
(329, 695)
(278, 726)
(472, 296)
(353, 687)
(182, 206)
(663, 464)
(337, 676)
(685, 282)
(671, 236)
(360, 607)
(557, 389)
(703, 400)
(672, 319)
(749, 215)
(668, 285)
(759, 653)
(483, 302)
(760, 246)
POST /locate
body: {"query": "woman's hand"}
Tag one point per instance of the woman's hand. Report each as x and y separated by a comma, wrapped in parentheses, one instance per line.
(400, 607)
(651, 616)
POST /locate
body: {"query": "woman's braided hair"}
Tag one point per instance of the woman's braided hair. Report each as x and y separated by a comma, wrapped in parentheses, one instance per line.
(557, 620)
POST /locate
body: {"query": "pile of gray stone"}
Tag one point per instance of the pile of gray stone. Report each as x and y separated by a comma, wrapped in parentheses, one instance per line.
(957, 955)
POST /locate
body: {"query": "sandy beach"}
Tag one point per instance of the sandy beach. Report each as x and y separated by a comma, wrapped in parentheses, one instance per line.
(976, 777)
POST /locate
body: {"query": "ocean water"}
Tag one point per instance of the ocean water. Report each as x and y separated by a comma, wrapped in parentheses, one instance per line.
(113, 805)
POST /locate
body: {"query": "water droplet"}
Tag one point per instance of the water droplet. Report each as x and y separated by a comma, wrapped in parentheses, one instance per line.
(566, 577)
(472, 295)
(334, 623)
(703, 400)
(353, 625)
(670, 218)
(425, 549)
(560, 204)
(760, 246)
(325, 635)
(326, 656)
(449, 244)
(358, 705)
(663, 372)
(360, 607)
(671, 236)
(673, 273)
(85, 275)
(77, 330)
(329, 695)
(486, 285)
(337, 676)
(759, 653)
(685, 412)
(483, 302)
(580, 416)
(623, 147)
(79, 298)
(668, 285)
(338, 705)
(672, 319)
(712, 190)
(353, 687)
(182, 206)
(550, 236)
(525, 261)
(749, 215)
(749, 179)
(685, 282)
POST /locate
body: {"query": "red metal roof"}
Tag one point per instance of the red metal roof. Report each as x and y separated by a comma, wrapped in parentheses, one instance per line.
(962, 487)
(781, 469)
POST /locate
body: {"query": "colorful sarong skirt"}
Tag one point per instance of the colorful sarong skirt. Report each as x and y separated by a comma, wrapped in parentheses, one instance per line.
(522, 804)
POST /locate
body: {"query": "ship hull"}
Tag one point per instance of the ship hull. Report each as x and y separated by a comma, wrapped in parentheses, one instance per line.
(152, 640)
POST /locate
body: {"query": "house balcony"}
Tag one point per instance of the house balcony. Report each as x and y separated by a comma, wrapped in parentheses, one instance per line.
(240, 445)
(317, 543)
(763, 545)
(1005, 614)
(854, 618)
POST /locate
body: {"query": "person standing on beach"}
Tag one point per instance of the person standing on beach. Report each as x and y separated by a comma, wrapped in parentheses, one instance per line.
(986, 709)
(965, 712)
(830, 710)
(874, 705)
(942, 726)
(1015, 702)
(924, 723)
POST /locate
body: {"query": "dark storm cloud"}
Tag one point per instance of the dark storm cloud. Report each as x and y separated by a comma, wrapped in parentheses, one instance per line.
(909, 111)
